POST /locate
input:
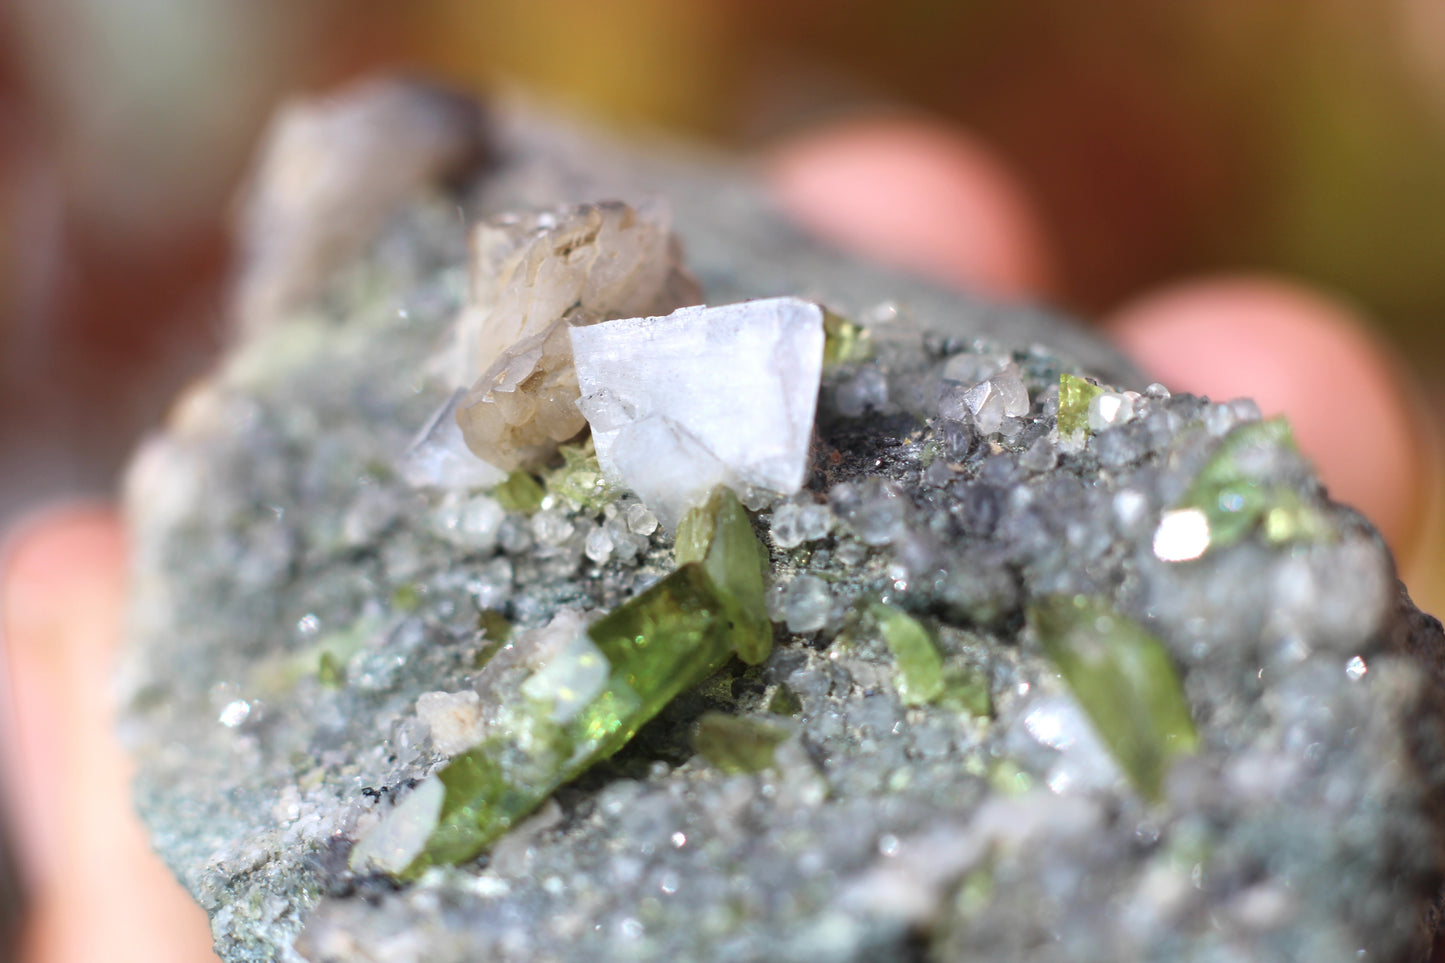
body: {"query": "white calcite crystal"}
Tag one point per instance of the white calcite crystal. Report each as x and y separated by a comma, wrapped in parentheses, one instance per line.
(439, 458)
(703, 397)
(533, 277)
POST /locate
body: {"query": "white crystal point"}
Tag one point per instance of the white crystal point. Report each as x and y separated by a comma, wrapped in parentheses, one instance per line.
(439, 458)
(703, 397)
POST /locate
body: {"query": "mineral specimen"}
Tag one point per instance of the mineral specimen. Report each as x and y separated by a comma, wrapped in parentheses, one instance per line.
(1017, 683)
(703, 397)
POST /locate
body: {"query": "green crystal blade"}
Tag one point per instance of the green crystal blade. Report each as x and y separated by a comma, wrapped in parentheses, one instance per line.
(735, 744)
(668, 638)
(519, 493)
(1074, 396)
(656, 645)
(720, 535)
(1125, 681)
(919, 666)
(1236, 496)
(843, 341)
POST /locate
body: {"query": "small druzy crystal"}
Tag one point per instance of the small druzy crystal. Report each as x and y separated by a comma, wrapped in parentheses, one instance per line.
(1125, 681)
(703, 397)
(532, 278)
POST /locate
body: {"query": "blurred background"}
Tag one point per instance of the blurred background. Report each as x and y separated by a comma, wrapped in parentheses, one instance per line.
(1159, 140)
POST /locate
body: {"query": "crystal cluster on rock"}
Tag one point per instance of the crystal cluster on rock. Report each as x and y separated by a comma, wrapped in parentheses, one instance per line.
(966, 693)
(534, 277)
(703, 397)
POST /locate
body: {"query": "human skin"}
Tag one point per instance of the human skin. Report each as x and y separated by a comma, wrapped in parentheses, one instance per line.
(896, 188)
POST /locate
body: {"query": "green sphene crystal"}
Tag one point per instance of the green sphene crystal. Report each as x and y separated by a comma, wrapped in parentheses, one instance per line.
(720, 536)
(1074, 396)
(966, 690)
(519, 493)
(579, 479)
(656, 645)
(406, 597)
(331, 672)
(919, 666)
(843, 341)
(1236, 500)
(1125, 681)
(785, 701)
(736, 744)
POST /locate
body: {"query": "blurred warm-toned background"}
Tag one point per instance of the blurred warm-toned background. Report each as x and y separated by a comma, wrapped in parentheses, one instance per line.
(1158, 139)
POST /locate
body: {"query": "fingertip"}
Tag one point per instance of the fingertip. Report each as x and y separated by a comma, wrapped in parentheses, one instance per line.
(53, 548)
(918, 195)
(1303, 354)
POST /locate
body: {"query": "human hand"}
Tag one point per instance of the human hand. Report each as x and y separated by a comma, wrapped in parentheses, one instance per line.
(897, 189)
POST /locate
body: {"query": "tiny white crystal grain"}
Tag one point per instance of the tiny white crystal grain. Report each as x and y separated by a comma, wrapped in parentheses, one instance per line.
(640, 520)
(1356, 669)
(598, 545)
(454, 718)
(703, 397)
(1109, 408)
(234, 713)
(1182, 535)
(401, 835)
(807, 605)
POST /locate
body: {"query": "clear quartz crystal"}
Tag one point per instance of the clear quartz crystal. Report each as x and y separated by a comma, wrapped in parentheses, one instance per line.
(807, 604)
(703, 397)
(532, 278)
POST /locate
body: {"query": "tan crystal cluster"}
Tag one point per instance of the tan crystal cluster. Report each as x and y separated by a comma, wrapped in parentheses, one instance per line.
(534, 276)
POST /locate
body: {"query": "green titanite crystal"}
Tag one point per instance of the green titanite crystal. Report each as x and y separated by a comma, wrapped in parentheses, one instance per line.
(843, 341)
(579, 478)
(785, 701)
(519, 493)
(736, 744)
(920, 667)
(966, 689)
(1236, 501)
(720, 536)
(1074, 396)
(331, 672)
(1125, 681)
(656, 645)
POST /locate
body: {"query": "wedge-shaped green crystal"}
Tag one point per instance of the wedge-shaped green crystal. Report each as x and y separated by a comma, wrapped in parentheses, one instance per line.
(577, 710)
(843, 341)
(736, 744)
(720, 536)
(579, 479)
(1074, 396)
(1236, 496)
(519, 493)
(1125, 682)
(919, 672)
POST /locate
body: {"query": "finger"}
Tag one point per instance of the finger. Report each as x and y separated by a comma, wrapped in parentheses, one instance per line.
(903, 191)
(1307, 356)
(98, 891)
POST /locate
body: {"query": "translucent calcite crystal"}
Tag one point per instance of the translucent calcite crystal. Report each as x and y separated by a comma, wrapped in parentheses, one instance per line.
(703, 397)
(534, 276)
